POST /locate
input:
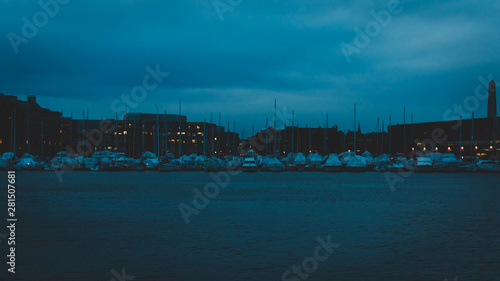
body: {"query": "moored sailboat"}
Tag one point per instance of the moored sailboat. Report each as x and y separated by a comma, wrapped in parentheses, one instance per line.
(332, 164)
(356, 164)
(300, 161)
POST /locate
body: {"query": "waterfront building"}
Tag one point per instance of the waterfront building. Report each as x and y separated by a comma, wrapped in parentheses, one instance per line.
(26, 127)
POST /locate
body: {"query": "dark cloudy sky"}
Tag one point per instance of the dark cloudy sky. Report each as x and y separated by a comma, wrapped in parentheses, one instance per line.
(89, 53)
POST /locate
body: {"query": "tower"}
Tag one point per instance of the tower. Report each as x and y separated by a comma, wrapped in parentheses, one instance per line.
(492, 100)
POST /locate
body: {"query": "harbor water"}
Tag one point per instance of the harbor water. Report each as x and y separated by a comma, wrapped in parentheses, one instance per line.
(129, 226)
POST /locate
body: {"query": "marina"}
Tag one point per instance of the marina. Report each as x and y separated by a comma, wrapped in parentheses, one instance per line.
(251, 162)
(250, 140)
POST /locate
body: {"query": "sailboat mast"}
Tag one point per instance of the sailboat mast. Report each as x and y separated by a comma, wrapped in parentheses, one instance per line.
(460, 148)
(41, 125)
(218, 138)
(355, 128)
(166, 134)
(71, 130)
(309, 130)
(133, 143)
(180, 130)
(28, 129)
(284, 140)
(472, 135)
(212, 147)
(411, 129)
(204, 137)
(125, 128)
(404, 129)
(158, 133)
(293, 117)
(378, 128)
(275, 133)
(234, 137)
(382, 140)
(116, 128)
(390, 136)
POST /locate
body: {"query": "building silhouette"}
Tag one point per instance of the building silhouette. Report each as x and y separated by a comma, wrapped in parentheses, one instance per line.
(468, 137)
(26, 127)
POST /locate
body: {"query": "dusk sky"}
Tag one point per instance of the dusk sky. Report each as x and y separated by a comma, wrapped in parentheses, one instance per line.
(428, 57)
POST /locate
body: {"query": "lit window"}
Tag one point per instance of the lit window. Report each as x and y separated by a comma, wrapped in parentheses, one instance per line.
(436, 149)
(193, 141)
(26, 141)
(124, 132)
(491, 147)
(0, 141)
(476, 147)
(462, 148)
(449, 148)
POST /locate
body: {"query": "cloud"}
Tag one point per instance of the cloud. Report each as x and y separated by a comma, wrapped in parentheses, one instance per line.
(92, 52)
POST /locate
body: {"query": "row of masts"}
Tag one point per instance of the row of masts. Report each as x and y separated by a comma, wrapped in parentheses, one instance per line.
(157, 143)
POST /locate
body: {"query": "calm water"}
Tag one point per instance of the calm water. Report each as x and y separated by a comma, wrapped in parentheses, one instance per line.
(432, 227)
